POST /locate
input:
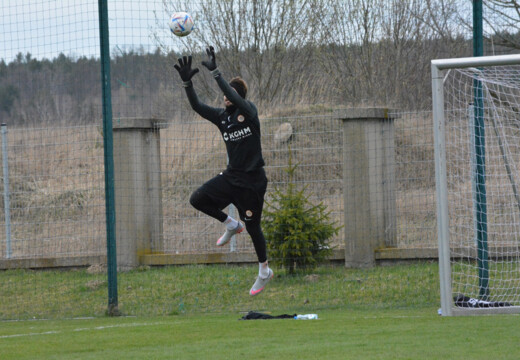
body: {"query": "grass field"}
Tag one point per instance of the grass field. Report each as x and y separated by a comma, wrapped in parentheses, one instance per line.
(193, 312)
(195, 289)
(338, 334)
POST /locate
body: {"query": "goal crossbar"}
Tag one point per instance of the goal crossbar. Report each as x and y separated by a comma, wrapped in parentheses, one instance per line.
(499, 60)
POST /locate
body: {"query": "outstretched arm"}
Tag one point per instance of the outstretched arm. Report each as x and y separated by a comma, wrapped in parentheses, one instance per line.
(186, 73)
(231, 94)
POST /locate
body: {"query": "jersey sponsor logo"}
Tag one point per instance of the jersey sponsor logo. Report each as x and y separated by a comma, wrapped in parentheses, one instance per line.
(237, 135)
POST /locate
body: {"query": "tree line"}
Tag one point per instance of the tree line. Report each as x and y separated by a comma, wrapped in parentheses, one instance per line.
(335, 52)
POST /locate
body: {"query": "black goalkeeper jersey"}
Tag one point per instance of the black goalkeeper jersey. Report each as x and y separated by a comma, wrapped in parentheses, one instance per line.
(240, 129)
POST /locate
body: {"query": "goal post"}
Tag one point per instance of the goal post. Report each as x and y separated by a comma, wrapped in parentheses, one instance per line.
(476, 115)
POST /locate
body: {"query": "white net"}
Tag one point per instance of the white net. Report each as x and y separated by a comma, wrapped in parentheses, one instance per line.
(482, 129)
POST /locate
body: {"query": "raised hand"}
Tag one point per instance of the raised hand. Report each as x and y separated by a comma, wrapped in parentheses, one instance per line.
(184, 68)
(211, 63)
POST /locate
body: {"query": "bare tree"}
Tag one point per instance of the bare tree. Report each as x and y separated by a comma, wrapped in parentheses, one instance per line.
(447, 19)
(350, 37)
(268, 42)
(415, 32)
(502, 17)
(379, 51)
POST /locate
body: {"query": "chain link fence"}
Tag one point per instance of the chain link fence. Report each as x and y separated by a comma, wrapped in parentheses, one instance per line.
(56, 189)
(50, 98)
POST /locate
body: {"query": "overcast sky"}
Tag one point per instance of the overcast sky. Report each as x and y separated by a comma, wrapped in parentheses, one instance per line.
(46, 28)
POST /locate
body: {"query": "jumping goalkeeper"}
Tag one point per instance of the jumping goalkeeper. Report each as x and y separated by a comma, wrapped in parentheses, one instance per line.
(244, 182)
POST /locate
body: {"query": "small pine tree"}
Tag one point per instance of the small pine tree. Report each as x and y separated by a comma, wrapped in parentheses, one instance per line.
(297, 231)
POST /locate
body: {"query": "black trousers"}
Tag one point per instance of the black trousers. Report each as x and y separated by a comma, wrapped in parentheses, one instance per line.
(217, 193)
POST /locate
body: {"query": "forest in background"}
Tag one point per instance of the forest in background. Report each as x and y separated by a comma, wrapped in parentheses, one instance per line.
(374, 53)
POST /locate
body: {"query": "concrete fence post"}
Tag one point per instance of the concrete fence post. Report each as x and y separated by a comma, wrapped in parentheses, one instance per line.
(368, 183)
(137, 173)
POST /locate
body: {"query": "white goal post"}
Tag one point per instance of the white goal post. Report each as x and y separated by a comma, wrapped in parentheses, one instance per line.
(476, 115)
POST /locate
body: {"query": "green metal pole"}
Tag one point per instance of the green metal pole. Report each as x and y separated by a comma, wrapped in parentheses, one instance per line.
(480, 154)
(109, 160)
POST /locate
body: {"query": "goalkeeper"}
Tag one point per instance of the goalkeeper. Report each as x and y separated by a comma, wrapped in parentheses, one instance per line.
(244, 182)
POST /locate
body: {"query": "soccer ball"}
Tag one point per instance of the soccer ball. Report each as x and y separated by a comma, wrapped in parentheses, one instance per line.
(181, 24)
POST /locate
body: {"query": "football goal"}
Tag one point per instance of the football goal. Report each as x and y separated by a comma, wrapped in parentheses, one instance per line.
(476, 112)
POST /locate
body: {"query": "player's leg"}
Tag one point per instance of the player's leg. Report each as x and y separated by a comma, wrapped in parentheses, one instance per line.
(264, 272)
(250, 203)
(202, 201)
(211, 198)
(233, 227)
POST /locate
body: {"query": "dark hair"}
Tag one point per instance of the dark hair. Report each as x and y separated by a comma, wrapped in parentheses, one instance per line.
(239, 85)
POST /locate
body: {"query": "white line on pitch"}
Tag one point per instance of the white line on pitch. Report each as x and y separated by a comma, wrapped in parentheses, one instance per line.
(82, 329)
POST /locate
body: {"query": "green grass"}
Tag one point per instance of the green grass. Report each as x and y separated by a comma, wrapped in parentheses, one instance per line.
(338, 334)
(192, 312)
(195, 289)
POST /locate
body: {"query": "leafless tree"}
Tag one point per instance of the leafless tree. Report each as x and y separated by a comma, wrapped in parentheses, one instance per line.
(379, 51)
(268, 42)
(502, 18)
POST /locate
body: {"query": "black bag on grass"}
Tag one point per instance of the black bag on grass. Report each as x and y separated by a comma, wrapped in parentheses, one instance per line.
(252, 315)
(467, 302)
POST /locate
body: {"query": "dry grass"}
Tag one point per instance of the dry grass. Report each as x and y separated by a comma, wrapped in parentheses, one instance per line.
(56, 191)
(57, 181)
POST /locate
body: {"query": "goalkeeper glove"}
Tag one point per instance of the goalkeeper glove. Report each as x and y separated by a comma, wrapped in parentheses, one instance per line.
(184, 68)
(211, 63)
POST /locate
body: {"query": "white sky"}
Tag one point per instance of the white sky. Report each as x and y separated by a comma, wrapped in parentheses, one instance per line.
(46, 28)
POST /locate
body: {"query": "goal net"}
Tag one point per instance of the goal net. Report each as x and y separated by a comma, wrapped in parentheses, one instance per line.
(476, 110)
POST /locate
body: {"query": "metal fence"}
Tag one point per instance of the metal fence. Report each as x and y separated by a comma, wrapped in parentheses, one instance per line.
(57, 198)
(55, 194)
(54, 213)
(57, 207)
(415, 179)
(193, 153)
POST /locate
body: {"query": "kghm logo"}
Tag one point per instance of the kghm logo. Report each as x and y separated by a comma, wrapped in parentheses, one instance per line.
(237, 135)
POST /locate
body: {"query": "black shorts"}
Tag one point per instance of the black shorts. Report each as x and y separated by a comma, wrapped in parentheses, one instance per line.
(248, 201)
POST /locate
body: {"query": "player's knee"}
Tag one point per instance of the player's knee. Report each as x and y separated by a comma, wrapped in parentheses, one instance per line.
(253, 227)
(196, 199)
